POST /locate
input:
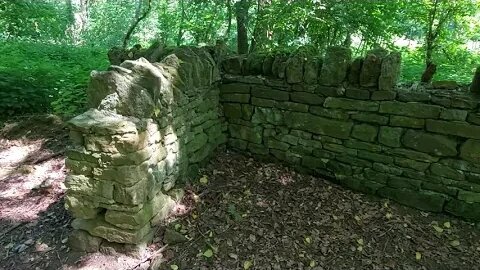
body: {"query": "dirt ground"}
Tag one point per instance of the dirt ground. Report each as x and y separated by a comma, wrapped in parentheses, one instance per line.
(238, 214)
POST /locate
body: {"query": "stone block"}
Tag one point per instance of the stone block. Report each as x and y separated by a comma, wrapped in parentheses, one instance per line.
(427, 201)
(412, 164)
(239, 88)
(249, 134)
(415, 155)
(100, 228)
(294, 69)
(132, 195)
(430, 143)
(407, 96)
(357, 94)
(330, 91)
(375, 157)
(463, 209)
(447, 172)
(270, 93)
(335, 66)
(390, 71)
(402, 121)
(237, 144)
(318, 125)
(372, 147)
(329, 113)
(311, 70)
(82, 241)
(470, 151)
(307, 98)
(404, 183)
(292, 106)
(232, 110)
(262, 102)
(371, 70)
(352, 105)
(412, 109)
(365, 132)
(453, 115)
(383, 95)
(461, 129)
(390, 136)
(234, 97)
(370, 118)
(354, 72)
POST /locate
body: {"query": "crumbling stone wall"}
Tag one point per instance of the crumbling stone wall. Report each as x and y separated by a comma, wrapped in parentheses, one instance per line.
(346, 120)
(150, 125)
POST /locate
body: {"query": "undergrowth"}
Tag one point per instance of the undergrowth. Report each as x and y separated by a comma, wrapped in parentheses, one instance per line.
(39, 78)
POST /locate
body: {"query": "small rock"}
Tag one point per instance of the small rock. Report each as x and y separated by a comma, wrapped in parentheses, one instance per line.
(172, 237)
(450, 85)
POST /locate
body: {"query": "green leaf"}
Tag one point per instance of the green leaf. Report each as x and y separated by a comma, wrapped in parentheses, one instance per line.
(208, 253)
(247, 265)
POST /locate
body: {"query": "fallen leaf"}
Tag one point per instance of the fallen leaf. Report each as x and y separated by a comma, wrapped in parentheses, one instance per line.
(204, 180)
(313, 263)
(247, 265)
(357, 218)
(308, 240)
(360, 248)
(438, 229)
(174, 267)
(360, 241)
(208, 253)
(447, 225)
(455, 243)
(418, 256)
(388, 215)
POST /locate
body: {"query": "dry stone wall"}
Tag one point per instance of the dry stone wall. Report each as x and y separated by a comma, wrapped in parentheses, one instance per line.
(346, 120)
(150, 125)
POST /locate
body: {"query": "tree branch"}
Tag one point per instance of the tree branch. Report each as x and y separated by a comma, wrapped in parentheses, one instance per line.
(136, 22)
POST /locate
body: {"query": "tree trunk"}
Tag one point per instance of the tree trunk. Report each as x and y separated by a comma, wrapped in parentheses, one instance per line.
(182, 20)
(242, 35)
(136, 20)
(429, 72)
(229, 20)
(79, 18)
(475, 87)
(259, 33)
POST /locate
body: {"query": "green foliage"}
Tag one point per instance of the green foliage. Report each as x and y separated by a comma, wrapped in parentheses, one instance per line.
(38, 78)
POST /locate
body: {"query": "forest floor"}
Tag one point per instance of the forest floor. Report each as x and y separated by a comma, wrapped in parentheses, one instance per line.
(240, 214)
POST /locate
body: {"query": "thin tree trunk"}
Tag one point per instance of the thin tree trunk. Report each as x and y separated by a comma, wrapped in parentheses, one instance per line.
(137, 19)
(78, 10)
(229, 19)
(182, 21)
(242, 35)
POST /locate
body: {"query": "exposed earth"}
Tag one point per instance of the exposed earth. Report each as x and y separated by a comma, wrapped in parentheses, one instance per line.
(239, 214)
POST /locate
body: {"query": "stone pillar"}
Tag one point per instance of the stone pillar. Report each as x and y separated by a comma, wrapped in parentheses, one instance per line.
(115, 181)
(475, 87)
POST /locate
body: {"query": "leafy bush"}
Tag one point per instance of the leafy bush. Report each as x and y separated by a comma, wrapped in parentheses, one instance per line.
(38, 77)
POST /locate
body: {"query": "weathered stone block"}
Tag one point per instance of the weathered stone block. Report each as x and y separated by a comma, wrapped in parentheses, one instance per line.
(357, 94)
(461, 129)
(268, 116)
(292, 106)
(269, 93)
(238, 88)
(412, 164)
(362, 145)
(365, 132)
(232, 110)
(307, 98)
(389, 169)
(318, 125)
(402, 152)
(84, 242)
(352, 105)
(335, 66)
(258, 149)
(390, 71)
(404, 183)
(401, 121)
(412, 109)
(249, 134)
(452, 114)
(407, 96)
(330, 113)
(276, 144)
(131, 221)
(390, 136)
(234, 97)
(375, 157)
(463, 209)
(427, 201)
(313, 163)
(262, 102)
(197, 143)
(328, 91)
(447, 172)
(238, 144)
(430, 143)
(384, 95)
(294, 69)
(354, 73)
(79, 207)
(100, 228)
(134, 195)
(470, 151)
(370, 118)
(370, 70)
(311, 70)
